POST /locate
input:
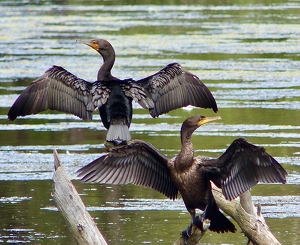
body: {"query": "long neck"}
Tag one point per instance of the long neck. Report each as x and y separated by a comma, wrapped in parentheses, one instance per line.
(104, 73)
(186, 156)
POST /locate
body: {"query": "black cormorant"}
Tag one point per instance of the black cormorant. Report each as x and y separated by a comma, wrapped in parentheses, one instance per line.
(170, 88)
(239, 168)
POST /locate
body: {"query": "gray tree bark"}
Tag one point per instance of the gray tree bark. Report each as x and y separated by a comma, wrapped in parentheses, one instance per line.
(248, 217)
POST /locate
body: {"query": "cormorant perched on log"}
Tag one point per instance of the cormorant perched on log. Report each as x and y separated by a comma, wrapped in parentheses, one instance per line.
(170, 88)
(239, 168)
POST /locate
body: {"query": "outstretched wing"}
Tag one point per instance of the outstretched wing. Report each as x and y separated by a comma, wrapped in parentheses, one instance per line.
(137, 93)
(59, 90)
(241, 166)
(173, 87)
(138, 163)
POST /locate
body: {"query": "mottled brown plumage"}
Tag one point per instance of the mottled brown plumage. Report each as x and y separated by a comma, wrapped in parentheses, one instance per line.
(169, 89)
(239, 168)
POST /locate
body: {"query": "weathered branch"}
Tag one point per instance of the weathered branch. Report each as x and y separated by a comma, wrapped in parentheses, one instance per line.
(248, 218)
(72, 208)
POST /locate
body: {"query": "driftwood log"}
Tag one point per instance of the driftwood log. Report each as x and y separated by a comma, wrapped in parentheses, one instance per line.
(68, 202)
(248, 217)
(85, 231)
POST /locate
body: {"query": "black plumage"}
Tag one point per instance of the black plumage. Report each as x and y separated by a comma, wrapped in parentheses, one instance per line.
(239, 168)
(170, 88)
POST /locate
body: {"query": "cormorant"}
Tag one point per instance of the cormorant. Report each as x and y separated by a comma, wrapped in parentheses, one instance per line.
(239, 168)
(170, 88)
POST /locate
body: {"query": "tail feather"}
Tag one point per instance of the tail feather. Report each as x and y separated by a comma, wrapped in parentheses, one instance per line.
(118, 132)
(218, 221)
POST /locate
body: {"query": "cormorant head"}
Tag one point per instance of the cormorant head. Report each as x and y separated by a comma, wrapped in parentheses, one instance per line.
(194, 122)
(102, 46)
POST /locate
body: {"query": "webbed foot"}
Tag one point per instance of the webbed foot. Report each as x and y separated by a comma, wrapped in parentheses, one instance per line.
(186, 234)
(198, 221)
(109, 145)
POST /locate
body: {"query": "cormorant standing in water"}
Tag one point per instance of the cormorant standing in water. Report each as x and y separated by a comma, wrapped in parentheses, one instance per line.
(170, 88)
(239, 168)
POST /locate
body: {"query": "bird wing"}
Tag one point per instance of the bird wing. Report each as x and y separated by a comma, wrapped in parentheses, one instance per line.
(138, 163)
(59, 90)
(173, 87)
(241, 166)
(138, 94)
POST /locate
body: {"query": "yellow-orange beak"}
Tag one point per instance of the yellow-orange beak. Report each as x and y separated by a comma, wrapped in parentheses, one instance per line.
(204, 120)
(90, 43)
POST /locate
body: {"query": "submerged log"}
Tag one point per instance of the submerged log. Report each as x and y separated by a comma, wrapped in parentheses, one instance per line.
(68, 202)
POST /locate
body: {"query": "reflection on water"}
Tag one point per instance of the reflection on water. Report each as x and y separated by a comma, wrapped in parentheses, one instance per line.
(246, 53)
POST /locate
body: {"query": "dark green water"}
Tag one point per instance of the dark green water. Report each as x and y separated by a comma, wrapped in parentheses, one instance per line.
(246, 52)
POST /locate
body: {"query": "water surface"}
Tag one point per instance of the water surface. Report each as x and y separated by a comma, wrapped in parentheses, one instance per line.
(246, 52)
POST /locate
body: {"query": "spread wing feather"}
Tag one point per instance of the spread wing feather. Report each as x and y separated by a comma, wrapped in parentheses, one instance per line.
(138, 163)
(60, 90)
(173, 87)
(137, 93)
(242, 166)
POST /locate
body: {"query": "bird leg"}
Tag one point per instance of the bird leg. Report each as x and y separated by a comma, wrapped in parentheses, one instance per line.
(195, 220)
(198, 221)
(188, 231)
(119, 142)
(111, 145)
(186, 234)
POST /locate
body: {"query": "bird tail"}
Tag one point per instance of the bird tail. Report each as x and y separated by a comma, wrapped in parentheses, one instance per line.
(218, 221)
(118, 132)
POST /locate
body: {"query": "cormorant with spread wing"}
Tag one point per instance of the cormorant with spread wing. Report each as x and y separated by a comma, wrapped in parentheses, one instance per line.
(170, 88)
(239, 168)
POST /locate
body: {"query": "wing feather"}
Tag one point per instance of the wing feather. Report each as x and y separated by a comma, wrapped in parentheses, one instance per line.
(173, 87)
(138, 163)
(137, 93)
(242, 166)
(60, 90)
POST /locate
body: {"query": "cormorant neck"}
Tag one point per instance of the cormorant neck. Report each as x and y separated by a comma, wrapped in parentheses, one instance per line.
(104, 73)
(186, 156)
